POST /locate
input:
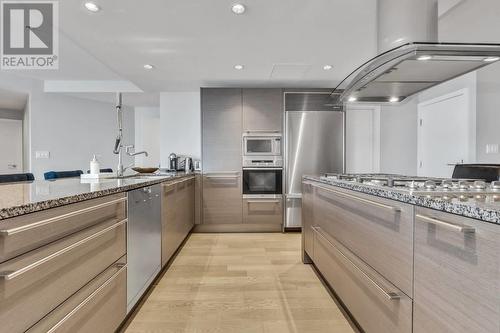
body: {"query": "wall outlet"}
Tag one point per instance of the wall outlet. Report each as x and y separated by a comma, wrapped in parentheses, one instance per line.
(42, 154)
(492, 148)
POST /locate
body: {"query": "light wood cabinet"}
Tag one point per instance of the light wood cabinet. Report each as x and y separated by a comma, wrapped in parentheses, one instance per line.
(457, 274)
(263, 110)
(100, 306)
(21, 234)
(377, 305)
(222, 198)
(35, 283)
(178, 210)
(377, 230)
(263, 211)
(221, 113)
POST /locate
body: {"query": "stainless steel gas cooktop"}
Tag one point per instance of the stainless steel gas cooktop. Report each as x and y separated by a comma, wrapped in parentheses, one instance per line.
(422, 185)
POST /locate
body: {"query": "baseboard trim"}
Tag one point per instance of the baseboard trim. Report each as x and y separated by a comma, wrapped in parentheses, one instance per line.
(234, 228)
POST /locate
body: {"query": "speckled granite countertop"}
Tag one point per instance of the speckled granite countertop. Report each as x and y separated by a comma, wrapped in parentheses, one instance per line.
(480, 207)
(28, 197)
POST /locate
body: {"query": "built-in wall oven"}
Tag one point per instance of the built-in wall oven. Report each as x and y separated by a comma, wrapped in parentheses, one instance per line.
(262, 181)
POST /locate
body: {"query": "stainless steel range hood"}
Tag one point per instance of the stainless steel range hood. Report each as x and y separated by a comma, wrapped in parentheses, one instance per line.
(413, 67)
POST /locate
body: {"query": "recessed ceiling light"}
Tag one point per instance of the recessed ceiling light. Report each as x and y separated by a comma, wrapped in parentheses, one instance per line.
(394, 99)
(491, 59)
(238, 8)
(91, 6)
(239, 67)
(327, 67)
(148, 67)
(424, 57)
(352, 99)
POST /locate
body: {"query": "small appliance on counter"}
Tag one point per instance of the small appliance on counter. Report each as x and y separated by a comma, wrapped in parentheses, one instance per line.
(172, 162)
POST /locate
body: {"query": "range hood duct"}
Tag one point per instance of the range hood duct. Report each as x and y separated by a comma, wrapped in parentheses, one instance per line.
(405, 67)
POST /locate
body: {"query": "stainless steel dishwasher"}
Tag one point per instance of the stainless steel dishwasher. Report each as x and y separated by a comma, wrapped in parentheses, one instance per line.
(143, 241)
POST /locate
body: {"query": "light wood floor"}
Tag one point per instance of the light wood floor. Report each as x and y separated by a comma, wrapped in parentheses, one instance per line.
(240, 283)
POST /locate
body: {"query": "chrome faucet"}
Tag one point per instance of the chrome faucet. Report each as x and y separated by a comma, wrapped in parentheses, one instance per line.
(118, 150)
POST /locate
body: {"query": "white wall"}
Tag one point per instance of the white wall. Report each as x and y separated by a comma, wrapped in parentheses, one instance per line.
(147, 136)
(71, 129)
(478, 21)
(398, 138)
(180, 118)
(74, 129)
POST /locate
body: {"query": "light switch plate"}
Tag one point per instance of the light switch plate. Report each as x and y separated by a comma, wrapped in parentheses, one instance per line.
(492, 148)
(42, 154)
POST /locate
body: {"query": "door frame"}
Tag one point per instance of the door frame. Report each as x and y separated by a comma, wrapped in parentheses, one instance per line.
(376, 109)
(21, 122)
(471, 116)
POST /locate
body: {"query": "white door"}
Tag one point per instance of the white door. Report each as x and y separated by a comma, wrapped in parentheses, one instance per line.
(446, 134)
(11, 146)
(362, 139)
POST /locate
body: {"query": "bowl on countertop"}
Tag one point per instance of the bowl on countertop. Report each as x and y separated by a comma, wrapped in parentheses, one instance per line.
(145, 170)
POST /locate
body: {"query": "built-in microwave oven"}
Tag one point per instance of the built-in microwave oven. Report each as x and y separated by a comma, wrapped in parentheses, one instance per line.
(260, 181)
(262, 144)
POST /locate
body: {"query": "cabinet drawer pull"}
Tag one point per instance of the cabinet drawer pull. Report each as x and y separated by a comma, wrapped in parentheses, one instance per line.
(452, 226)
(223, 177)
(370, 202)
(178, 182)
(121, 267)
(10, 275)
(9, 232)
(263, 201)
(390, 295)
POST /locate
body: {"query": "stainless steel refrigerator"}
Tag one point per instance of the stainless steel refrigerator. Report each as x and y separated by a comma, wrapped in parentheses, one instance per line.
(314, 145)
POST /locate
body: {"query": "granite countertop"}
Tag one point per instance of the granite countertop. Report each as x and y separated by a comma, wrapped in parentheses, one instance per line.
(28, 197)
(481, 207)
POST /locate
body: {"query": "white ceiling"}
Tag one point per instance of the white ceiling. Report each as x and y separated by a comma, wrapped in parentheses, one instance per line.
(10, 100)
(195, 43)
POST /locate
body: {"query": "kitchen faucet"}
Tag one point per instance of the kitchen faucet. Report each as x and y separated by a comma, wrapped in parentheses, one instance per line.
(118, 150)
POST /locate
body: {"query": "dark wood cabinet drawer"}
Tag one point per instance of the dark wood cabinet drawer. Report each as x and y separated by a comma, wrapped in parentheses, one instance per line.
(457, 274)
(34, 284)
(379, 231)
(21, 234)
(376, 304)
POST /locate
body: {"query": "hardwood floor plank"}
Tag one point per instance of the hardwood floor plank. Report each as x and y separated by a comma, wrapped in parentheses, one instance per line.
(239, 283)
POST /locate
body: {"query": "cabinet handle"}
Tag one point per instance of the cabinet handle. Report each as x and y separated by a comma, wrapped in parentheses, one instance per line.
(9, 232)
(167, 184)
(457, 227)
(390, 295)
(366, 201)
(263, 201)
(223, 177)
(121, 267)
(10, 275)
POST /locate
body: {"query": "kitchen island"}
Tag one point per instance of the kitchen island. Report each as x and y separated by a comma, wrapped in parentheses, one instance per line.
(65, 248)
(412, 256)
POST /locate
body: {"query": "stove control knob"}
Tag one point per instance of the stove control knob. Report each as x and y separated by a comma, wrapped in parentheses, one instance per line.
(495, 185)
(463, 185)
(430, 185)
(446, 184)
(479, 185)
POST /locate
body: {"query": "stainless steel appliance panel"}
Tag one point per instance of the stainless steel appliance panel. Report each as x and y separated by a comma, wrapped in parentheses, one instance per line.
(314, 144)
(143, 241)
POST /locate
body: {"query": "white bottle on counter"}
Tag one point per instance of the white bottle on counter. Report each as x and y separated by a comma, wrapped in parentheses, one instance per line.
(94, 166)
